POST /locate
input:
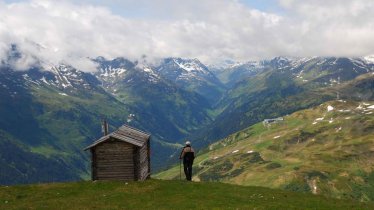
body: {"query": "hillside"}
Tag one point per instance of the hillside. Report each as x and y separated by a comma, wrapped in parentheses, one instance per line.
(43, 127)
(157, 194)
(51, 111)
(282, 86)
(327, 149)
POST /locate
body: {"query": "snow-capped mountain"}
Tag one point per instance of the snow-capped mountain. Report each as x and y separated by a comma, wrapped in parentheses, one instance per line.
(63, 77)
(171, 100)
(139, 84)
(192, 75)
(183, 70)
(238, 71)
(120, 73)
(305, 69)
(221, 65)
(369, 59)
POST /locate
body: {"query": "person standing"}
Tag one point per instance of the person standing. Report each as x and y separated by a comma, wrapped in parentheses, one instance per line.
(188, 156)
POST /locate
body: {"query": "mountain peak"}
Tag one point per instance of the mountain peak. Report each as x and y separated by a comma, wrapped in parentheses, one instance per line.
(369, 59)
(190, 65)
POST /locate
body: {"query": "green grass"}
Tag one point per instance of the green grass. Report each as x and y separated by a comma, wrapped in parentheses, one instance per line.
(157, 194)
(339, 147)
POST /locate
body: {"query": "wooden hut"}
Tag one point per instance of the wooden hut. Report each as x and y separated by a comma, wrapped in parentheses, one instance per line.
(121, 155)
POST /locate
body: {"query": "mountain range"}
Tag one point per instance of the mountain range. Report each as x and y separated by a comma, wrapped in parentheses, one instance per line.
(50, 112)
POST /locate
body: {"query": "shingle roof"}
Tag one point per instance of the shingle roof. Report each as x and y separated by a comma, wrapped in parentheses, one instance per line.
(127, 134)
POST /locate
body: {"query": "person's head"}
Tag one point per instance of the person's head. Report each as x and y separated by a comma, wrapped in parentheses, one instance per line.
(188, 143)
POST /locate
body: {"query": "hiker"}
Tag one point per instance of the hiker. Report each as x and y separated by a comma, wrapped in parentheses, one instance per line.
(188, 155)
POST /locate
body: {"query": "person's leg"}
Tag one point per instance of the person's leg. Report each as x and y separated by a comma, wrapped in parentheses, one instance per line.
(185, 167)
(190, 171)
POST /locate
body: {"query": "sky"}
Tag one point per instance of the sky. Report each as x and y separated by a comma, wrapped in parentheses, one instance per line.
(72, 32)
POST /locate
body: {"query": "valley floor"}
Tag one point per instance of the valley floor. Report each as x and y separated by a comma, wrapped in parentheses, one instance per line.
(158, 194)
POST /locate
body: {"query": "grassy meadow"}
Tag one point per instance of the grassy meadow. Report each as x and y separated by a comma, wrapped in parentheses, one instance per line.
(159, 194)
(328, 149)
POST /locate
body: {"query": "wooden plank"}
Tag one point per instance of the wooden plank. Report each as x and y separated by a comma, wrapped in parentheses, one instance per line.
(93, 164)
(127, 159)
(136, 163)
(144, 167)
(115, 162)
(114, 141)
(114, 144)
(115, 154)
(127, 132)
(115, 178)
(115, 151)
(128, 128)
(119, 162)
(124, 158)
(115, 174)
(114, 165)
(121, 145)
(115, 169)
(106, 155)
(110, 168)
(115, 158)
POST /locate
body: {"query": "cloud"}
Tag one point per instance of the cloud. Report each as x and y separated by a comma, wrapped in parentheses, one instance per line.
(211, 30)
(332, 27)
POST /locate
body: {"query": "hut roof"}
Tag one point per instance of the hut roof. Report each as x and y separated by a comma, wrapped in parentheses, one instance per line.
(126, 134)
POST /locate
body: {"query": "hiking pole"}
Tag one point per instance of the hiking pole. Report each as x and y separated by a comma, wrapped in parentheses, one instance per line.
(180, 169)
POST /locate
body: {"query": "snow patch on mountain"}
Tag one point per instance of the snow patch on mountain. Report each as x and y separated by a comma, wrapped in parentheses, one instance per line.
(296, 63)
(190, 65)
(112, 72)
(153, 77)
(226, 64)
(185, 71)
(60, 76)
(369, 59)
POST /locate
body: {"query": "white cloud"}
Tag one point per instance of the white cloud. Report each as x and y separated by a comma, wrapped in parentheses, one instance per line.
(207, 29)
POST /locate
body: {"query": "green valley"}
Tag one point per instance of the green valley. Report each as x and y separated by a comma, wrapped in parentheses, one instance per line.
(48, 114)
(327, 149)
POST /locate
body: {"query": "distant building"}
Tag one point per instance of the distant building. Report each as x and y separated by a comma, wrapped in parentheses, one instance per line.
(121, 155)
(270, 121)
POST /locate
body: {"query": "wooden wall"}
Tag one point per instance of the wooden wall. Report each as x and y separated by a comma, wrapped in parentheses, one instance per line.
(143, 162)
(113, 160)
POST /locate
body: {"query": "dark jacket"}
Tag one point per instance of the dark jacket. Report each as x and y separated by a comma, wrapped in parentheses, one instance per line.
(187, 154)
